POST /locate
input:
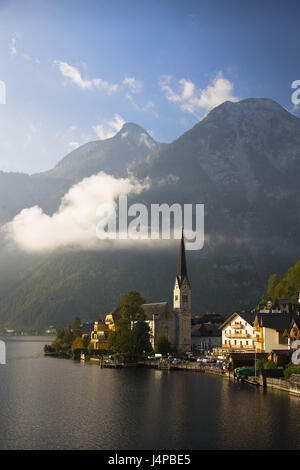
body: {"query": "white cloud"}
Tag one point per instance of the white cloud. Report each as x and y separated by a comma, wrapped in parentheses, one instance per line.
(74, 145)
(74, 75)
(135, 86)
(193, 100)
(110, 128)
(14, 51)
(31, 59)
(13, 46)
(75, 222)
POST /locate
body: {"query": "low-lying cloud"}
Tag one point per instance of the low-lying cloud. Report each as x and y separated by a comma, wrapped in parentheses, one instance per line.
(74, 223)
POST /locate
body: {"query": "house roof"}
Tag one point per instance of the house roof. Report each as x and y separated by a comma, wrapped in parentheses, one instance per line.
(157, 309)
(296, 319)
(248, 356)
(115, 313)
(285, 301)
(276, 321)
(282, 352)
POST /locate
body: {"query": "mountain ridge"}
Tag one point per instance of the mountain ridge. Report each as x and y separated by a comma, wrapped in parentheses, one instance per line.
(243, 162)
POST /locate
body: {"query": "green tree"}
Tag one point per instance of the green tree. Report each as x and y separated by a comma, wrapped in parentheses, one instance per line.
(163, 345)
(131, 306)
(272, 283)
(132, 334)
(141, 337)
(121, 340)
(77, 327)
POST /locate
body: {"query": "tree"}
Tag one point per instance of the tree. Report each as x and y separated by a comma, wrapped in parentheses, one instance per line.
(272, 283)
(163, 345)
(131, 306)
(141, 337)
(77, 327)
(121, 340)
(132, 334)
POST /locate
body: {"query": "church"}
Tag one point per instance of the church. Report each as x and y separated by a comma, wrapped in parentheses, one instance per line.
(174, 323)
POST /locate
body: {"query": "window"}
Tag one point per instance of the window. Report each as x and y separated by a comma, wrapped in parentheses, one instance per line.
(185, 298)
(176, 297)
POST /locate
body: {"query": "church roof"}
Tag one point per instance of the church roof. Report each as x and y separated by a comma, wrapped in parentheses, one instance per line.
(157, 309)
(182, 269)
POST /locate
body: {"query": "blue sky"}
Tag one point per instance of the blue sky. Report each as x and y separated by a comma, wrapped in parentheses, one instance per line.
(76, 70)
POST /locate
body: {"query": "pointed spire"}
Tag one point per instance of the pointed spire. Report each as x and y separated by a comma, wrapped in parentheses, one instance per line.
(182, 269)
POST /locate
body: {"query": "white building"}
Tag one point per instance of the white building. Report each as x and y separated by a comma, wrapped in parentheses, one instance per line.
(260, 332)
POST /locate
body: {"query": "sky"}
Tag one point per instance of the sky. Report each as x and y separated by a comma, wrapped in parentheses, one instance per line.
(76, 71)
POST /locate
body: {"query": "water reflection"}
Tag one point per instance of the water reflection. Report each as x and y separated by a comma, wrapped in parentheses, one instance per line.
(55, 403)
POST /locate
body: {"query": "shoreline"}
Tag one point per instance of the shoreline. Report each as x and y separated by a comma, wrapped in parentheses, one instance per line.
(269, 383)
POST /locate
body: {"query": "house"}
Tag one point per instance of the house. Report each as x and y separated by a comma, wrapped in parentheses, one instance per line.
(281, 306)
(99, 335)
(280, 357)
(255, 332)
(294, 332)
(112, 318)
(206, 337)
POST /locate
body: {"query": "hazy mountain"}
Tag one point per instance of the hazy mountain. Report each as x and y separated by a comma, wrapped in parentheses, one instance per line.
(130, 145)
(242, 161)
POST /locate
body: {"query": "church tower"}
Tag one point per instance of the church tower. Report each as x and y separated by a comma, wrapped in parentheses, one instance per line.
(182, 303)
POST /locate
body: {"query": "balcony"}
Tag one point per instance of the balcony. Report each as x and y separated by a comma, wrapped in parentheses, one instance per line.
(237, 326)
(258, 339)
(238, 346)
(237, 335)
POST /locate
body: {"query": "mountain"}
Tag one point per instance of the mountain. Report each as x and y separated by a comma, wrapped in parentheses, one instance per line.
(242, 161)
(129, 146)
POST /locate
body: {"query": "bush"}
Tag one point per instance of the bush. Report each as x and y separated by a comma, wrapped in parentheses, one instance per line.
(264, 364)
(291, 369)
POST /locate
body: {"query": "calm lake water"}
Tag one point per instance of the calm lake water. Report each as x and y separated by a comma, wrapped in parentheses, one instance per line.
(48, 403)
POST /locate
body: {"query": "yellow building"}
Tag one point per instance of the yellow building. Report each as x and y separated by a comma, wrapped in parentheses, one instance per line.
(99, 335)
(103, 328)
(250, 332)
(112, 318)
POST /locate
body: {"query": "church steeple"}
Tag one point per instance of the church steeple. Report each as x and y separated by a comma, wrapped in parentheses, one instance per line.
(182, 302)
(182, 269)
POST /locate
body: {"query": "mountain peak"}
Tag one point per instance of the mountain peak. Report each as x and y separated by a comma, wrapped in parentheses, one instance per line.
(132, 127)
(248, 107)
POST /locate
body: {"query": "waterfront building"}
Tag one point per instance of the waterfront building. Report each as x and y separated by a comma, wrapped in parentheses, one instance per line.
(174, 323)
(112, 318)
(99, 335)
(261, 332)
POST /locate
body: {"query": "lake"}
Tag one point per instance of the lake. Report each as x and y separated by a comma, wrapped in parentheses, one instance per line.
(49, 403)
